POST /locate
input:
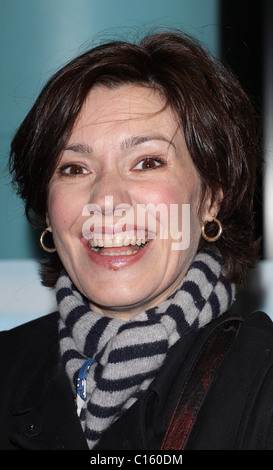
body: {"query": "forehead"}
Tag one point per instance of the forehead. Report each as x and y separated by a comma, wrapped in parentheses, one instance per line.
(139, 105)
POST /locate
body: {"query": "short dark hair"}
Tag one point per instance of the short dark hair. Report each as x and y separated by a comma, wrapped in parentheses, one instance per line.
(216, 116)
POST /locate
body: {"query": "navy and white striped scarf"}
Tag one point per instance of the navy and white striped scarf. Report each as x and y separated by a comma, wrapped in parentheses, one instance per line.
(128, 354)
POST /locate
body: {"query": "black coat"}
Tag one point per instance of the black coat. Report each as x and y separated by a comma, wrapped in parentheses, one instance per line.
(37, 408)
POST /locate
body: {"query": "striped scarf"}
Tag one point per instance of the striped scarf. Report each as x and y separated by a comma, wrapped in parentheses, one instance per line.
(126, 355)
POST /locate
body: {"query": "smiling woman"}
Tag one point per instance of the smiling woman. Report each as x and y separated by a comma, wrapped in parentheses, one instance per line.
(137, 158)
(139, 161)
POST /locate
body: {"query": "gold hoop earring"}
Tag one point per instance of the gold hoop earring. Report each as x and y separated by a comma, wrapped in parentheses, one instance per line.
(49, 250)
(217, 236)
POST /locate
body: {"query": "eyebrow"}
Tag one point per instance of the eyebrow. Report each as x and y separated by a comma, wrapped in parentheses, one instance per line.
(79, 148)
(137, 140)
(131, 142)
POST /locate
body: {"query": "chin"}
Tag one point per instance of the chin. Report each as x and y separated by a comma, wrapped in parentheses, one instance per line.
(120, 300)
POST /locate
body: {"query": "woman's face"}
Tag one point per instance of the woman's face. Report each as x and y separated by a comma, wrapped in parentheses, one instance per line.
(119, 186)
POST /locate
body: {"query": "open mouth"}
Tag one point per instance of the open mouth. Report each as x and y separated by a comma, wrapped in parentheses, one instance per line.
(118, 245)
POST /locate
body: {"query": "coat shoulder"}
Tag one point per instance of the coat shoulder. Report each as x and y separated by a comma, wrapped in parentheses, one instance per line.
(255, 337)
(47, 323)
(239, 405)
(28, 341)
(36, 391)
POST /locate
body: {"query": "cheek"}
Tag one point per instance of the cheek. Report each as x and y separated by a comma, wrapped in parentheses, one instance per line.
(164, 193)
(182, 221)
(176, 193)
(63, 209)
(165, 213)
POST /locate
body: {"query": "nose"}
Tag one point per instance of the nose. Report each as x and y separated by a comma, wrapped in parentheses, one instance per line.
(110, 191)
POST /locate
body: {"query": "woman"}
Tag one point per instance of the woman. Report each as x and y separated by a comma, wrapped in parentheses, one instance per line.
(138, 163)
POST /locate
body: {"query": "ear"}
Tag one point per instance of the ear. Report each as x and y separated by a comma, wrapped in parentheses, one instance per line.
(48, 223)
(211, 206)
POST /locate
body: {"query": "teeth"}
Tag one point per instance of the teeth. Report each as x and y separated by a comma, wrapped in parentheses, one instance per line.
(107, 242)
(126, 242)
(117, 241)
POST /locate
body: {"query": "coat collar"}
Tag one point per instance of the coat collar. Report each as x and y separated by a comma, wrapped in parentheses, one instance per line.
(42, 407)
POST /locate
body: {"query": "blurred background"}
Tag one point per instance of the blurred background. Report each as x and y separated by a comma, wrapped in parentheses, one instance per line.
(37, 37)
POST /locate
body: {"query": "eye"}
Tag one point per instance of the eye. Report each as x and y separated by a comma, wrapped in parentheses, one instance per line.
(149, 164)
(73, 170)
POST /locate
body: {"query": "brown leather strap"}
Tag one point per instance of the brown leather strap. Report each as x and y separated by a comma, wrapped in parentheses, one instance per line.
(199, 379)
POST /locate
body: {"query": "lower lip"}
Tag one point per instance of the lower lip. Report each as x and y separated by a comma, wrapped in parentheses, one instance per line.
(115, 262)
